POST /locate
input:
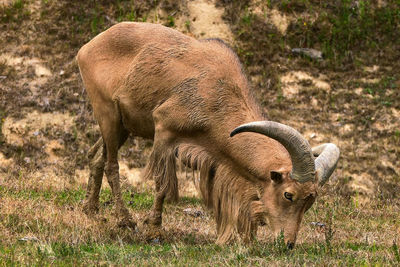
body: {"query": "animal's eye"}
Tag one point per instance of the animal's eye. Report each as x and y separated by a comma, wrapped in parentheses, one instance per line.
(288, 196)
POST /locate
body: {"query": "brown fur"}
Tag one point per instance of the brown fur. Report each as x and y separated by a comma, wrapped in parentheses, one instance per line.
(187, 95)
(233, 199)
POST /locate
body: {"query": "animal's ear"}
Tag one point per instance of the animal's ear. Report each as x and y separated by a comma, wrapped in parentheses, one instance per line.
(276, 177)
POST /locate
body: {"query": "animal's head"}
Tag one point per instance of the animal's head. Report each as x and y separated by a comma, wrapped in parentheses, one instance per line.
(287, 195)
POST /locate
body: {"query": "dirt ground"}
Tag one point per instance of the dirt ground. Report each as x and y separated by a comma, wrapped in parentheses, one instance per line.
(47, 125)
(47, 122)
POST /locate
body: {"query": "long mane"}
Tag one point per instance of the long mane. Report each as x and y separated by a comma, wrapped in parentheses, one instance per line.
(233, 200)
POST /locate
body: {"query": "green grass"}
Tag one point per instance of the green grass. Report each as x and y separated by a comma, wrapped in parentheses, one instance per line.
(60, 254)
(187, 250)
(351, 27)
(14, 12)
(60, 198)
(135, 200)
(170, 21)
(383, 92)
(343, 30)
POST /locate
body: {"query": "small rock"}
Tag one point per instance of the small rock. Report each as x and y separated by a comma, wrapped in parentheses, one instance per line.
(42, 71)
(309, 52)
(107, 203)
(313, 135)
(156, 241)
(3, 77)
(76, 94)
(29, 238)
(314, 102)
(36, 133)
(319, 224)
(62, 72)
(372, 69)
(46, 101)
(27, 159)
(193, 212)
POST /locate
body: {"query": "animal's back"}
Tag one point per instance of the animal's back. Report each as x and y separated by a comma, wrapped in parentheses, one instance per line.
(150, 48)
(106, 59)
(144, 64)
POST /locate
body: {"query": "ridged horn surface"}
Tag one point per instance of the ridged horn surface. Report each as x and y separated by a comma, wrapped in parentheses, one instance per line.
(326, 161)
(298, 147)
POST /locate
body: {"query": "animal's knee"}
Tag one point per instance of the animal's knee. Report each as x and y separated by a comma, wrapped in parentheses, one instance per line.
(111, 168)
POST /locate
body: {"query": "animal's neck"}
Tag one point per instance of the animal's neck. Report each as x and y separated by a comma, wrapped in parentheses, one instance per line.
(254, 153)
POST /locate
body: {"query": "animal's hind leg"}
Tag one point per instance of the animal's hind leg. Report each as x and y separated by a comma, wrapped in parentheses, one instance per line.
(114, 135)
(96, 156)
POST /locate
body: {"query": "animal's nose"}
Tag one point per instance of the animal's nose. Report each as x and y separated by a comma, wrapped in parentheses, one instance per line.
(290, 245)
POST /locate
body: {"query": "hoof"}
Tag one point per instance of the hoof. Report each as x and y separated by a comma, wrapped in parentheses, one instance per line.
(154, 234)
(90, 210)
(127, 223)
(152, 220)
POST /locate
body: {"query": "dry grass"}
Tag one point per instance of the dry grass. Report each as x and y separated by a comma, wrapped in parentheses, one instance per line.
(57, 232)
(351, 98)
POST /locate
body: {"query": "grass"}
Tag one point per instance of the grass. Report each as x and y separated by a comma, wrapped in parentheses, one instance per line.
(382, 91)
(58, 253)
(66, 197)
(170, 21)
(344, 31)
(14, 12)
(65, 236)
(2, 118)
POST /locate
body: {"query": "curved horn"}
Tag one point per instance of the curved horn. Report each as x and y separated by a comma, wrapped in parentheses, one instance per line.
(325, 163)
(297, 146)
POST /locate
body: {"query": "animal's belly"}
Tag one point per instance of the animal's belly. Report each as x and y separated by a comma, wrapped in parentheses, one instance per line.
(138, 123)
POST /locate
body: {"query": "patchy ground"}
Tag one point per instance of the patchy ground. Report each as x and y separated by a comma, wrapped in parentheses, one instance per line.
(351, 98)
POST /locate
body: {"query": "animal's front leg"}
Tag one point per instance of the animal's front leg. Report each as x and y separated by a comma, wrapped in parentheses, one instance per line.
(155, 217)
(162, 169)
(162, 165)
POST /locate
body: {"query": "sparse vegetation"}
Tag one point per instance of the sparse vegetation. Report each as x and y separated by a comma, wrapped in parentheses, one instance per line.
(15, 12)
(355, 221)
(170, 21)
(75, 239)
